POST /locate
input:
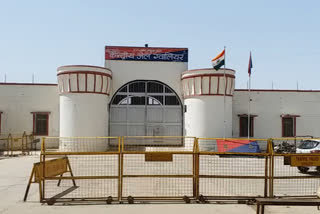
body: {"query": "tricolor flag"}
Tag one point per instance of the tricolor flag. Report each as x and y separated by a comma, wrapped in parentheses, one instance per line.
(250, 65)
(218, 61)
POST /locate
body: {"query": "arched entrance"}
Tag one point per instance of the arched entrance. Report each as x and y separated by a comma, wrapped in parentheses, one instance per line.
(145, 108)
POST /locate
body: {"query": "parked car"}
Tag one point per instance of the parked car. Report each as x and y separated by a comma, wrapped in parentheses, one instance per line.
(308, 146)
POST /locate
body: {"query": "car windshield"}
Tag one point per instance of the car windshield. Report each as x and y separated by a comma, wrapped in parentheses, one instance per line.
(308, 144)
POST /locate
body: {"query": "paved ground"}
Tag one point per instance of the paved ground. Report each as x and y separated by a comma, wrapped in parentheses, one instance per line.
(14, 174)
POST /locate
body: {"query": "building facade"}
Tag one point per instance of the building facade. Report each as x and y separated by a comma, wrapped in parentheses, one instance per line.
(143, 91)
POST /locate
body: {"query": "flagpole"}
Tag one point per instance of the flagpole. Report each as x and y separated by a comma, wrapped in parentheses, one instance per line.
(249, 90)
(224, 95)
(249, 121)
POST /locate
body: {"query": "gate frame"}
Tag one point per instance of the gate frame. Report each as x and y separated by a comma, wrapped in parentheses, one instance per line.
(266, 175)
(43, 155)
(162, 198)
(272, 167)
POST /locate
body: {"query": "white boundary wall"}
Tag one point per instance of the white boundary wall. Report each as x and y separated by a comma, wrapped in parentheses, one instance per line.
(269, 105)
(17, 101)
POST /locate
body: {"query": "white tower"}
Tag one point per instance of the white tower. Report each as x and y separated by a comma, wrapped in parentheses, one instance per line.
(84, 97)
(203, 91)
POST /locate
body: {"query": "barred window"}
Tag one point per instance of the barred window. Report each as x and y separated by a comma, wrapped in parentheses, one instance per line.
(142, 92)
(288, 126)
(244, 126)
(41, 123)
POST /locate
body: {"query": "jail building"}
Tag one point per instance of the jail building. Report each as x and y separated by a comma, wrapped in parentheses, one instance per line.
(149, 91)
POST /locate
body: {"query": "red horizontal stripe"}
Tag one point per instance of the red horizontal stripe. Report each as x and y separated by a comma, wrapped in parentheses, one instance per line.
(84, 72)
(246, 115)
(84, 92)
(208, 75)
(91, 66)
(203, 69)
(199, 95)
(40, 112)
(289, 115)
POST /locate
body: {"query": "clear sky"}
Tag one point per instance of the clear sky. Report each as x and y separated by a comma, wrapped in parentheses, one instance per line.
(283, 35)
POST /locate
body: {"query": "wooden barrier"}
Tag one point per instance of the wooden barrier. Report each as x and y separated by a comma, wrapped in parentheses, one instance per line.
(55, 167)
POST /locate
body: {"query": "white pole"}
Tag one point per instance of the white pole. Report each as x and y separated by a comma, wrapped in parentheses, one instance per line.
(224, 95)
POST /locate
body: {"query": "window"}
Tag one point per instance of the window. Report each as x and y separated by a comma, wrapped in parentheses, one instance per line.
(155, 100)
(124, 89)
(243, 126)
(137, 87)
(118, 99)
(308, 144)
(289, 125)
(172, 101)
(137, 100)
(145, 93)
(41, 123)
(154, 87)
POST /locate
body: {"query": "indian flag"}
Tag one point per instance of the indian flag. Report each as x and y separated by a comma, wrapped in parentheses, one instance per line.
(218, 61)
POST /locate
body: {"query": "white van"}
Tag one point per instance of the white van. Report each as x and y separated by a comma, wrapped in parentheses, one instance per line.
(308, 146)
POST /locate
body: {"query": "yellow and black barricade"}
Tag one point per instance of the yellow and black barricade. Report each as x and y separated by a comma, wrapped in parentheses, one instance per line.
(157, 168)
(97, 174)
(53, 168)
(290, 177)
(16, 144)
(231, 168)
(172, 168)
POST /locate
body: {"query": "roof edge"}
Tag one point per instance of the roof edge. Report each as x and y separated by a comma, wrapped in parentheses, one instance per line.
(276, 90)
